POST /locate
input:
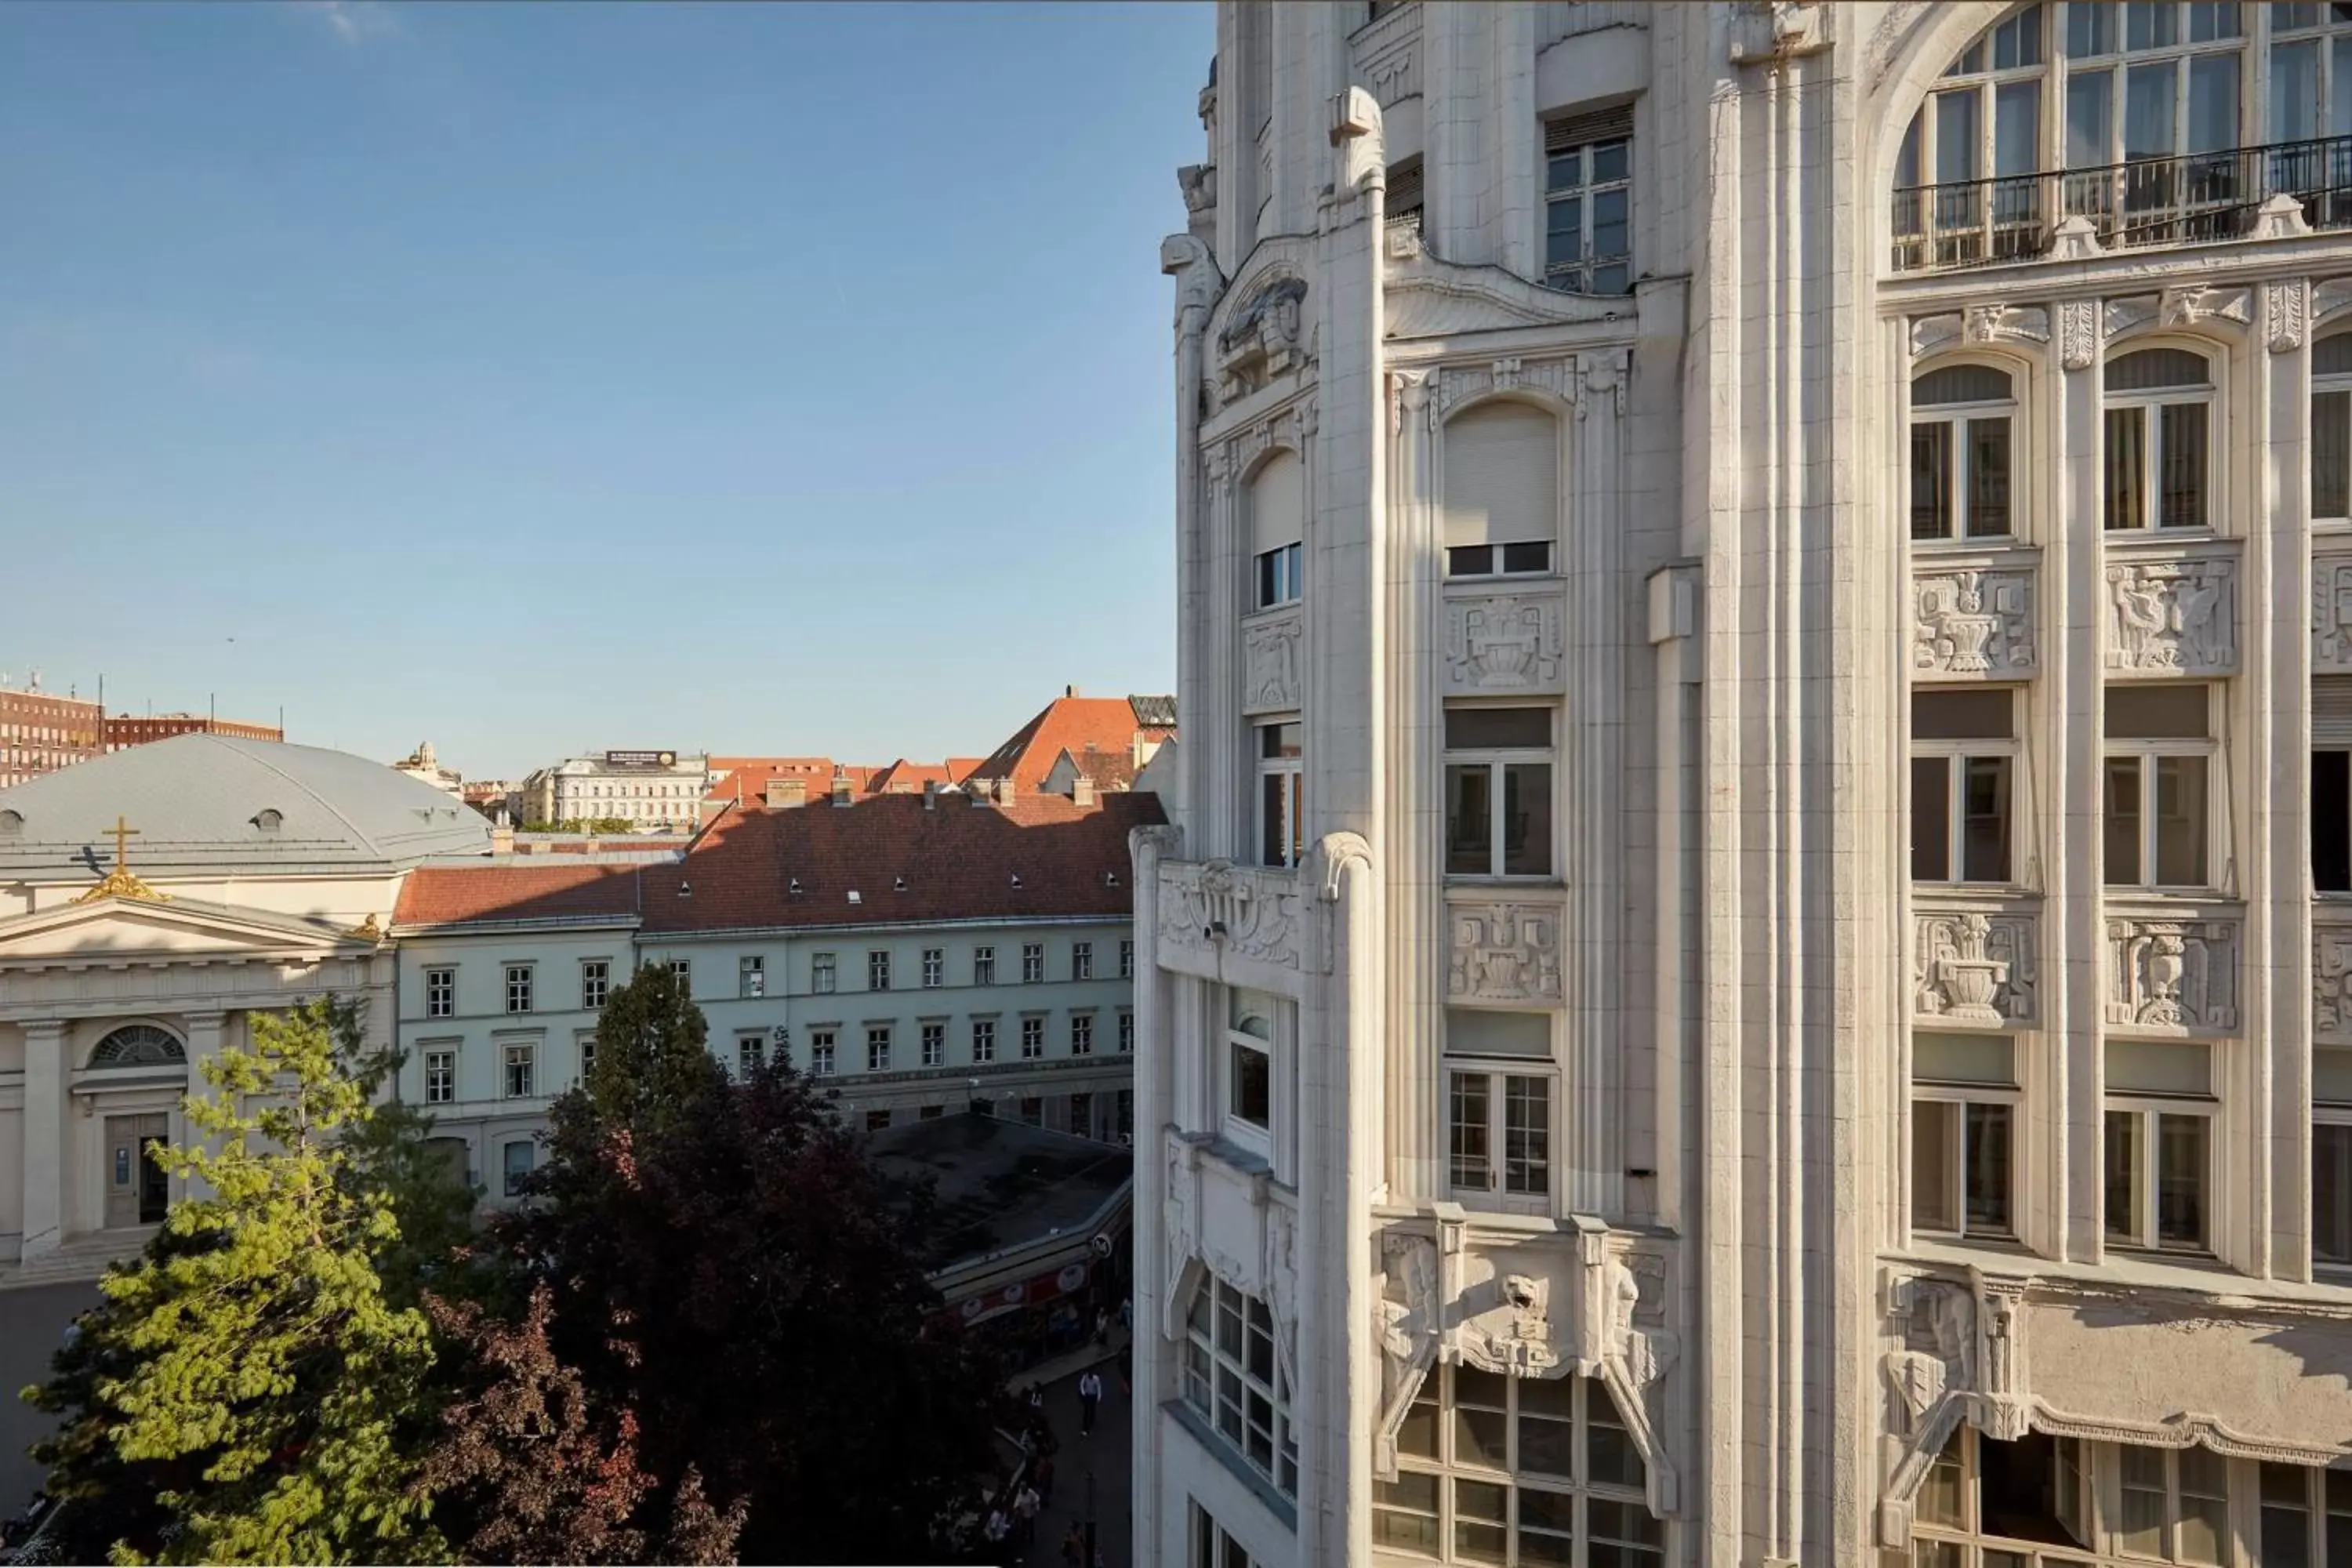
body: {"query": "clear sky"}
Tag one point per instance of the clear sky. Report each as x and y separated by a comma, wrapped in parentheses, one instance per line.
(534, 378)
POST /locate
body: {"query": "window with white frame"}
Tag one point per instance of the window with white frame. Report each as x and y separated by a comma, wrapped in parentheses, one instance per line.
(1126, 1032)
(2158, 810)
(1276, 498)
(751, 975)
(821, 974)
(1247, 1084)
(1126, 958)
(877, 1047)
(983, 966)
(2331, 1160)
(751, 1056)
(521, 1059)
(595, 983)
(1961, 463)
(518, 1159)
(2158, 1154)
(935, 968)
(587, 1056)
(2331, 419)
(1963, 758)
(1082, 961)
(2331, 785)
(1498, 784)
(821, 1049)
(682, 970)
(1982, 122)
(1964, 1103)
(1033, 1039)
(517, 987)
(1233, 1380)
(984, 1041)
(2159, 440)
(2037, 1491)
(1589, 202)
(1082, 1034)
(1499, 1084)
(1516, 1470)
(935, 1044)
(1033, 963)
(2306, 1515)
(878, 970)
(1501, 490)
(1213, 1546)
(1281, 795)
(440, 1077)
(440, 993)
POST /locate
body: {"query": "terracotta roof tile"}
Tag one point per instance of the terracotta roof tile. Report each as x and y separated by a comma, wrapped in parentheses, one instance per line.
(1068, 724)
(501, 890)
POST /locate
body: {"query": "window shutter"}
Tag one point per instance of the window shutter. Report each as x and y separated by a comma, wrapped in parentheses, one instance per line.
(1611, 124)
(1502, 475)
(1277, 503)
(2331, 712)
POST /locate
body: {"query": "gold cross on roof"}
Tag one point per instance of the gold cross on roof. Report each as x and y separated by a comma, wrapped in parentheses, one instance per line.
(118, 883)
(122, 831)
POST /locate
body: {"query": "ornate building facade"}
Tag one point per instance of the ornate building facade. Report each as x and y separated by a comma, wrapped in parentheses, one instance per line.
(1748, 965)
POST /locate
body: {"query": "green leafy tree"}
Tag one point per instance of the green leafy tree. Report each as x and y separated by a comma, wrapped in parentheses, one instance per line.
(390, 1151)
(652, 1056)
(239, 1395)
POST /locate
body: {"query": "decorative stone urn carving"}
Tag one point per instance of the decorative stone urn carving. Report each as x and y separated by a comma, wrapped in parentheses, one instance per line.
(1504, 642)
(1973, 622)
(2173, 974)
(1974, 967)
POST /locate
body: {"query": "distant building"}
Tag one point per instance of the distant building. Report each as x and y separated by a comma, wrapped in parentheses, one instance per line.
(648, 789)
(125, 731)
(1110, 738)
(41, 731)
(422, 766)
(494, 798)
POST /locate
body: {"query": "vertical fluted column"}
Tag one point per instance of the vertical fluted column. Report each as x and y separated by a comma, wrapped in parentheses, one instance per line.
(1220, 815)
(1155, 1049)
(44, 1138)
(1416, 966)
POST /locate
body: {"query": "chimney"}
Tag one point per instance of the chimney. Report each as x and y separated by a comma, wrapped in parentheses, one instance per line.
(501, 840)
(787, 792)
(931, 794)
(1069, 691)
(1005, 790)
(841, 789)
(1082, 790)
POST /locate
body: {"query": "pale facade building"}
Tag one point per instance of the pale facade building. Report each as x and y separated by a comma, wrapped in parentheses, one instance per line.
(651, 791)
(423, 765)
(1749, 962)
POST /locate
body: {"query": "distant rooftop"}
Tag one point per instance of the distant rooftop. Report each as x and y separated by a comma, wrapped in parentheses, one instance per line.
(1003, 1185)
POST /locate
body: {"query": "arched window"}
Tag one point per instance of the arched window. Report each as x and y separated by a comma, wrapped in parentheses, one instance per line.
(2159, 439)
(1277, 523)
(139, 1046)
(2331, 432)
(1961, 460)
(1502, 491)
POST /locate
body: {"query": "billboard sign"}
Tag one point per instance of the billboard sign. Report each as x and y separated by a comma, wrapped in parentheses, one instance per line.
(641, 759)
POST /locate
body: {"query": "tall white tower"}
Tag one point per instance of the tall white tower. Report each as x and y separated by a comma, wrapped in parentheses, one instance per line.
(1750, 964)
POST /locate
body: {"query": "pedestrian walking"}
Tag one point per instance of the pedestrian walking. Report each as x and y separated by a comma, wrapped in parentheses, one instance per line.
(996, 1530)
(1073, 1548)
(1090, 1392)
(1025, 1504)
(1102, 1326)
(1127, 1313)
(1044, 1478)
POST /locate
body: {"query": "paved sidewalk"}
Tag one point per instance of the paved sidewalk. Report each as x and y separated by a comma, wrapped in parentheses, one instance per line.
(1104, 1457)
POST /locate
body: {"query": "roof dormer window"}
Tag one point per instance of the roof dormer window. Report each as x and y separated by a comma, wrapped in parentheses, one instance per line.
(268, 820)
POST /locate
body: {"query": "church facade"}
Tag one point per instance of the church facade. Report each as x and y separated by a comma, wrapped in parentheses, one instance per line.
(1747, 962)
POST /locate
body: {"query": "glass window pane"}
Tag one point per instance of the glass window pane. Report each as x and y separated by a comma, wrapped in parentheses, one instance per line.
(2090, 97)
(1469, 560)
(2331, 445)
(1933, 1133)
(1533, 557)
(1988, 478)
(2181, 821)
(2148, 95)
(1611, 1458)
(1931, 479)
(1526, 1135)
(1938, 1501)
(1957, 136)
(2183, 472)
(2120, 846)
(2204, 1505)
(2287, 1517)
(1252, 1085)
(1469, 819)
(2150, 25)
(2121, 1164)
(2331, 1194)
(1545, 1446)
(1987, 1159)
(2141, 1526)
(2016, 128)
(2339, 123)
(1962, 715)
(1478, 1438)
(2213, 102)
(1469, 1120)
(2157, 712)
(1527, 819)
(2294, 91)
(1547, 1531)
(1984, 823)
(2180, 1184)
(2126, 467)
(1497, 729)
(1611, 161)
(1611, 233)
(1931, 819)
(2090, 29)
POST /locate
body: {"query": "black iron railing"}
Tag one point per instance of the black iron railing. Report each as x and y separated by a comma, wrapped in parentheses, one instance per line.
(2191, 200)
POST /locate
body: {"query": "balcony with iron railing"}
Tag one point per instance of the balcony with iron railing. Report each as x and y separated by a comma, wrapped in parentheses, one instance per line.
(2197, 199)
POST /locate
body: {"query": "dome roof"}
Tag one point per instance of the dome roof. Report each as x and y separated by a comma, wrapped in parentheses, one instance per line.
(208, 803)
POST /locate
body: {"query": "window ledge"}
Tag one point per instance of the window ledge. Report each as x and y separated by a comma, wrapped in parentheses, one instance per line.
(1241, 1469)
(2184, 1275)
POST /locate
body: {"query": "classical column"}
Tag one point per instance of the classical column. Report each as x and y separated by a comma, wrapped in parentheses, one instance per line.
(45, 1137)
(204, 1033)
(1154, 1362)
(1416, 961)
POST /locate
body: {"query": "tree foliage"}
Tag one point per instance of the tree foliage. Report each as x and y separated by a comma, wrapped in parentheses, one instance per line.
(389, 1151)
(239, 1398)
(651, 1055)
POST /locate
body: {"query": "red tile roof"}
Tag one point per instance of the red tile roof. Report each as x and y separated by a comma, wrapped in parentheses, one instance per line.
(1109, 770)
(503, 890)
(1068, 724)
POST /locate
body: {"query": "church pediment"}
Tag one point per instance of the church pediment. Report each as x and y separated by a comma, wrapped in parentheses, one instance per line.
(115, 929)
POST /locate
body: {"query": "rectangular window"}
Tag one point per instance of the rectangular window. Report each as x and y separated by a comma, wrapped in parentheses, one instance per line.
(1082, 961)
(1281, 797)
(878, 970)
(751, 1056)
(1587, 204)
(595, 983)
(520, 1061)
(983, 966)
(682, 970)
(2157, 1156)
(2157, 814)
(440, 1077)
(1279, 578)
(1033, 1039)
(1961, 457)
(440, 993)
(935, 1044)
(517, 987)
(1126, 1032)
(751, 975)
(2331, 821)
(1033, 963)
(2158, 440)
(1082, 1034)
(2331, 1190)
(1127, 959)
(1082, 1115)
(587, 1056)
(821, 974)
(935, 968)
(516, 1159)
(1249, 1063)
(821, 1047)
(1962, 755)
(1960, 1165)
(1233, 1379)
(1498, 802)
(1500, 1132)
(2331, 445)
(984, 1041)
(877, 1047)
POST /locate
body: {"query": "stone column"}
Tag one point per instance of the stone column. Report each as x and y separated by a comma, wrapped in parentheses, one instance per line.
(1154, 1361)
(205, 1031)
(46, 1110)
(1416, 950)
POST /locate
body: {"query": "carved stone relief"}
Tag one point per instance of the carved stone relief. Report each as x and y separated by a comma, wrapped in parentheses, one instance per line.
(2174, 616)
(2331, 615)
(1929, 333)
(1513, 1335)
(1251, 912)
(1504, 642)
(1281, 1276)
(1938, 1354)
(1458, 383)
(2118, 316)
(1974, 622)
(2078, 333)
(1504, 952)
(1266, 337)
(2328, 296)
(2331, 982)
(1179, 1226)
(2173, 973)
(1270, 663)
(2286, 310)
(2005, 323)
(1405, 1327)
(1974, 968)
(2185, 305)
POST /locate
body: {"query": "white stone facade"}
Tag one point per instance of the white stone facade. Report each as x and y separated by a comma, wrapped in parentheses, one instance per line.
(651, 791)
(1753, 889)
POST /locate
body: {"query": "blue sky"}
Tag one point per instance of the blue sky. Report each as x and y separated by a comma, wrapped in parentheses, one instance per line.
(538, 377)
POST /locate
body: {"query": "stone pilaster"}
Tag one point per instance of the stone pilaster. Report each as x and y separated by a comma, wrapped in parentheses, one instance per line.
(1153, 1355)
(1416, 810)
(44, 1138)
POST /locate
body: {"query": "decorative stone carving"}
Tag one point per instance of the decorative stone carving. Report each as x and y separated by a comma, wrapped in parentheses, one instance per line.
(2331, 615)
(1281, 1276)
(2075, 238)
(1513, 1336)
(1406, 1326)
(1270, 663)
(1773, 30)
(2286, 312)
(2123, 315)
(2173, 974)
(1179, 1227)
(2279, 218)
(1929, 333)
(2331, 982)
(1504, 642)
(1459, 383)
(1290, 427)
(1939, 1351)
(1603, 376)
(1974, 968)
(2187, 304)
(2173, 617)
(1248, 911)
(1264, 338)
(2006, 323)
(1504, 952)
(2078, 331)
(1974, 622)
(1388, 57)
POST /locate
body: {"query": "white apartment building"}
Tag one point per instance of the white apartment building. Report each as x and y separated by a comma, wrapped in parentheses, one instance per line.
(649, 790)
(923, 954)
(1749, 962)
